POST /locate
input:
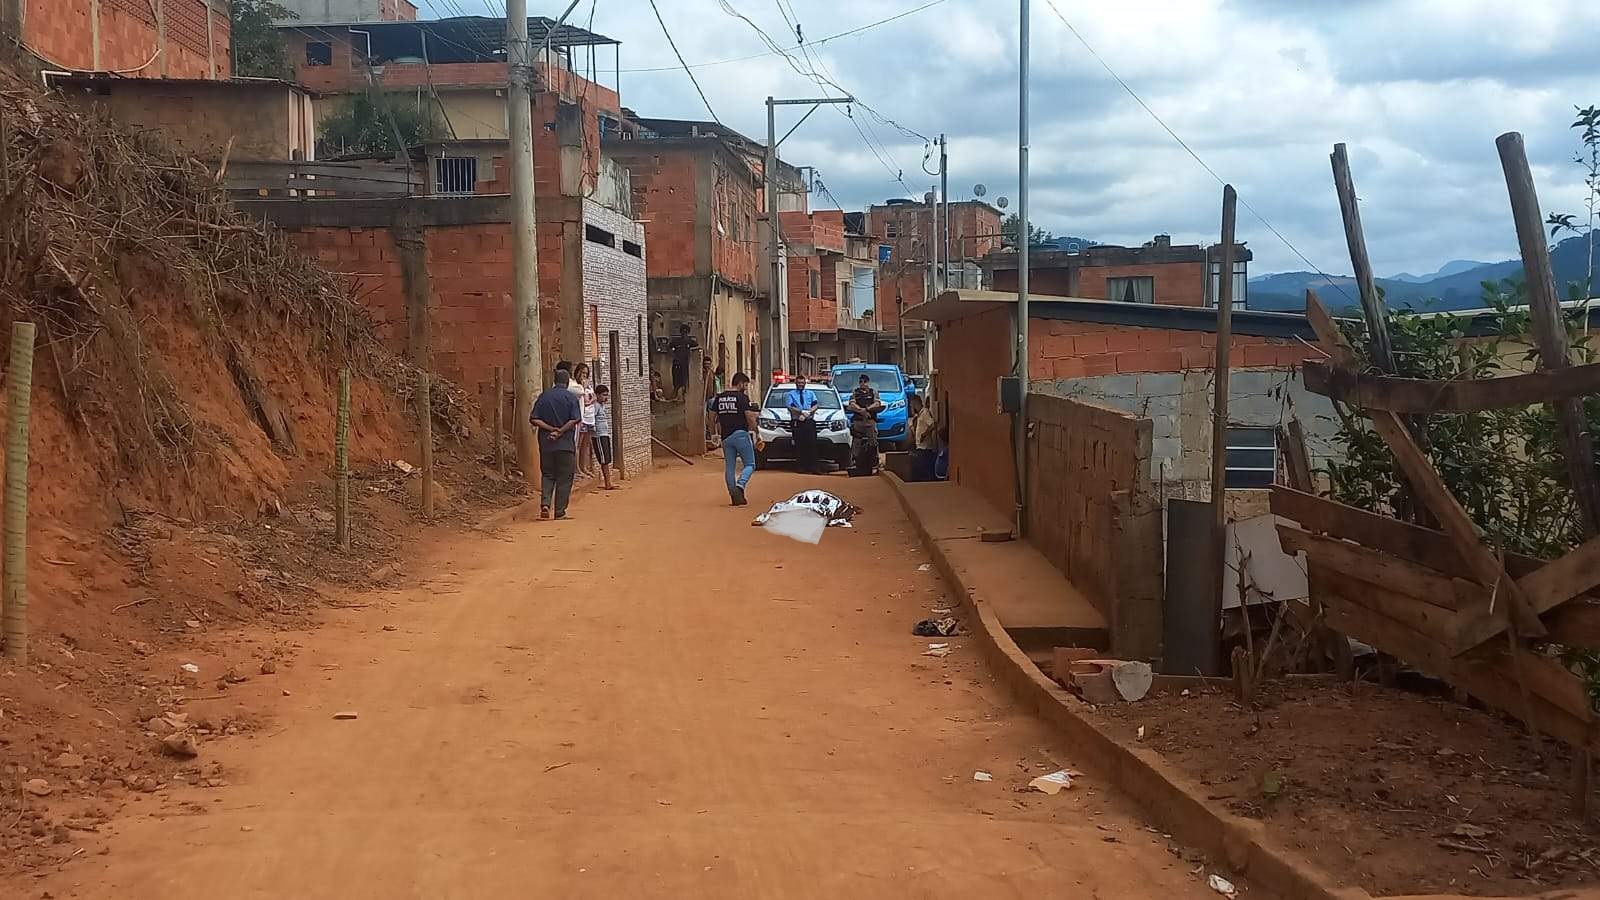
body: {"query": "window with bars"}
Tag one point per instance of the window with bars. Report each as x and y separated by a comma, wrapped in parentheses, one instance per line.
(455, 175)
(1252, 460)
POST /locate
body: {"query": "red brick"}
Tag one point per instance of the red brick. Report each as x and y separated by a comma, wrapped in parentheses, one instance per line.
(1123, 340)
(1103, 364)
(1069, 368)
(1086, 344)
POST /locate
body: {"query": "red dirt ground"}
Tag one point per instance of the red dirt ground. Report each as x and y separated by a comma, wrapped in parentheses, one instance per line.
(1397, 792)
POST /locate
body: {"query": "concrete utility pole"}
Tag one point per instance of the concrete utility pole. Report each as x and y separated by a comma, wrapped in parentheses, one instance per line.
(775, 331)
(944, 218)
(1020, 438)
(526, 364)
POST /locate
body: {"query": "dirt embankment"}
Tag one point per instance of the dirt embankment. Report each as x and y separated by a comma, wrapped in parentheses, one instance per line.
(185, 376)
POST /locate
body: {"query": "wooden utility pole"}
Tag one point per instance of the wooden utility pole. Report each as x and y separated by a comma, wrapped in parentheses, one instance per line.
(500, 420)
(1219, 426)
(1550, 336)
(19, 390)
(341, 465)
(1371, 304)
(425, 414)
(527, 366)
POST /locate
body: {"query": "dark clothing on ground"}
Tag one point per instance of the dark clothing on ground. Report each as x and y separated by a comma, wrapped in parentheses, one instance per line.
(731, 407)
(556, 407)
(556, 468)
(805, 445)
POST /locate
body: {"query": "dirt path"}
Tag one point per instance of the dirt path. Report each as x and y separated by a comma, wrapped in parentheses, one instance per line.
(653, 700)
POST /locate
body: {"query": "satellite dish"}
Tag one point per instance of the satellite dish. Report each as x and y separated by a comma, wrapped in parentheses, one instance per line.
(978, 190)
(1002, 203)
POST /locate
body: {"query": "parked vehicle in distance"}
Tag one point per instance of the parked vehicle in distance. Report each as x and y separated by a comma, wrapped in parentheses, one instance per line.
(892, 386)
(833, 426)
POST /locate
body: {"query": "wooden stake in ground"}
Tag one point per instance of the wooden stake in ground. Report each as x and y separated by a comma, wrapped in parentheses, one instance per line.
(500, 420)
(19, 383)
(341, 465)
(1219, 430)
(1371, 304)
(425, 413)
(1550, 335)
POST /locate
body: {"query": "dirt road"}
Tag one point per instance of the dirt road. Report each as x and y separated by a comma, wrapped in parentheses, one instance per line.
(654, 699)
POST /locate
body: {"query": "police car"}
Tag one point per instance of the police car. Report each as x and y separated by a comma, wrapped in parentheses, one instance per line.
(833, 425)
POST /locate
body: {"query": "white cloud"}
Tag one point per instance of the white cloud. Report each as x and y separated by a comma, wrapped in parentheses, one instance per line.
(1259, 88)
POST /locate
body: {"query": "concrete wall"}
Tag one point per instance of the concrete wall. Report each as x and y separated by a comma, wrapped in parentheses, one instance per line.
(1178, 405)
(188, 39)
(258, 121)
(322, 12)
(615, 299)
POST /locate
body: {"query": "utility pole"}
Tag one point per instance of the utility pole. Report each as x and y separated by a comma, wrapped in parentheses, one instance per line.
(775, 330)
(1219, 434)
(944, 223)
(1020, 354)
(526, 363)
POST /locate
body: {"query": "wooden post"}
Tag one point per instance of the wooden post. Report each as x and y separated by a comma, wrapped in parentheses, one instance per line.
(614, 373)
(341, 464)
(19, 384)
(1549, 329)
(1219, 428)
(500, 420)
(1550, 335)
(425, 413)
(1371, 304)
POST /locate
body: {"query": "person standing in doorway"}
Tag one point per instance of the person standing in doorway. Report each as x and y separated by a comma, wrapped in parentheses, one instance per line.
(580, 386)
(802, 405)
(556, 416)
(602, 434)
(736, 421)
(924, 437)
(681, 346)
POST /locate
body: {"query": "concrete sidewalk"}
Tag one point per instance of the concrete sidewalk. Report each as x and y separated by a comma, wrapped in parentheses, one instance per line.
(1033, 600)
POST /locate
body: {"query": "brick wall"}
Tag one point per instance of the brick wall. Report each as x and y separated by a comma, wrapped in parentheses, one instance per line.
(205, 119)
(1175, 283)
(973, 353)
(615, 300)
(1093, 512)
(1075, 349)
(63, 33)
(664, 197)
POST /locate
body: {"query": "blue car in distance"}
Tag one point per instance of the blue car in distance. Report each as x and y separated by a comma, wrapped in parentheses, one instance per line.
(893, 388)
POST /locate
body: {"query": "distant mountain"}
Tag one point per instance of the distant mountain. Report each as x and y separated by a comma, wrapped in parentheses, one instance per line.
(1449, 268)
(1456, 285)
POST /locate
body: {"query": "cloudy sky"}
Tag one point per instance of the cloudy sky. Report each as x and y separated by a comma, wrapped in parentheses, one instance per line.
(1260, 89)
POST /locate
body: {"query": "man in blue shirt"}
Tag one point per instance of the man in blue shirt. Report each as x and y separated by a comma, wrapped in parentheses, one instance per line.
(555, 417)
(802, 413)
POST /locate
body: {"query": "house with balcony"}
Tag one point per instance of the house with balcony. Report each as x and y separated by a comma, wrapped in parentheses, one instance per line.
(832, 286)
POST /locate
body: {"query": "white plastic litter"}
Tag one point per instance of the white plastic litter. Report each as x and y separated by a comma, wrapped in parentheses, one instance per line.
(924, 567)
(937, 650)
(191, 668)
(982, 776)
(1054, 783)
(803, 525)
(1222, 886)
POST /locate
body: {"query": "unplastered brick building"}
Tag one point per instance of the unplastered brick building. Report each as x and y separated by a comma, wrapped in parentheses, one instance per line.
(906, 277)
(832, 285)
(133, 38)
(1155, 361)
(1160, 272)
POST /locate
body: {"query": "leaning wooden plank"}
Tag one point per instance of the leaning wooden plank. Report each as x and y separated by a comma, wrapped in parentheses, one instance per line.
(1433, 549)
(1417, 613)
(1384, 633)
(1481, 562)
(1575, 624)
(1390, 574)
(1416, 395)
(1560, 580)
(1546, 677)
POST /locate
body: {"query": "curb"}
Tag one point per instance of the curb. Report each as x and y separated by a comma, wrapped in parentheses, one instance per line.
(1169, 798)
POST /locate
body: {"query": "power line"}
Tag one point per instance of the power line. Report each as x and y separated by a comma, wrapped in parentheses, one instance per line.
(816, 43)
(687, 71)
(1190, 150)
